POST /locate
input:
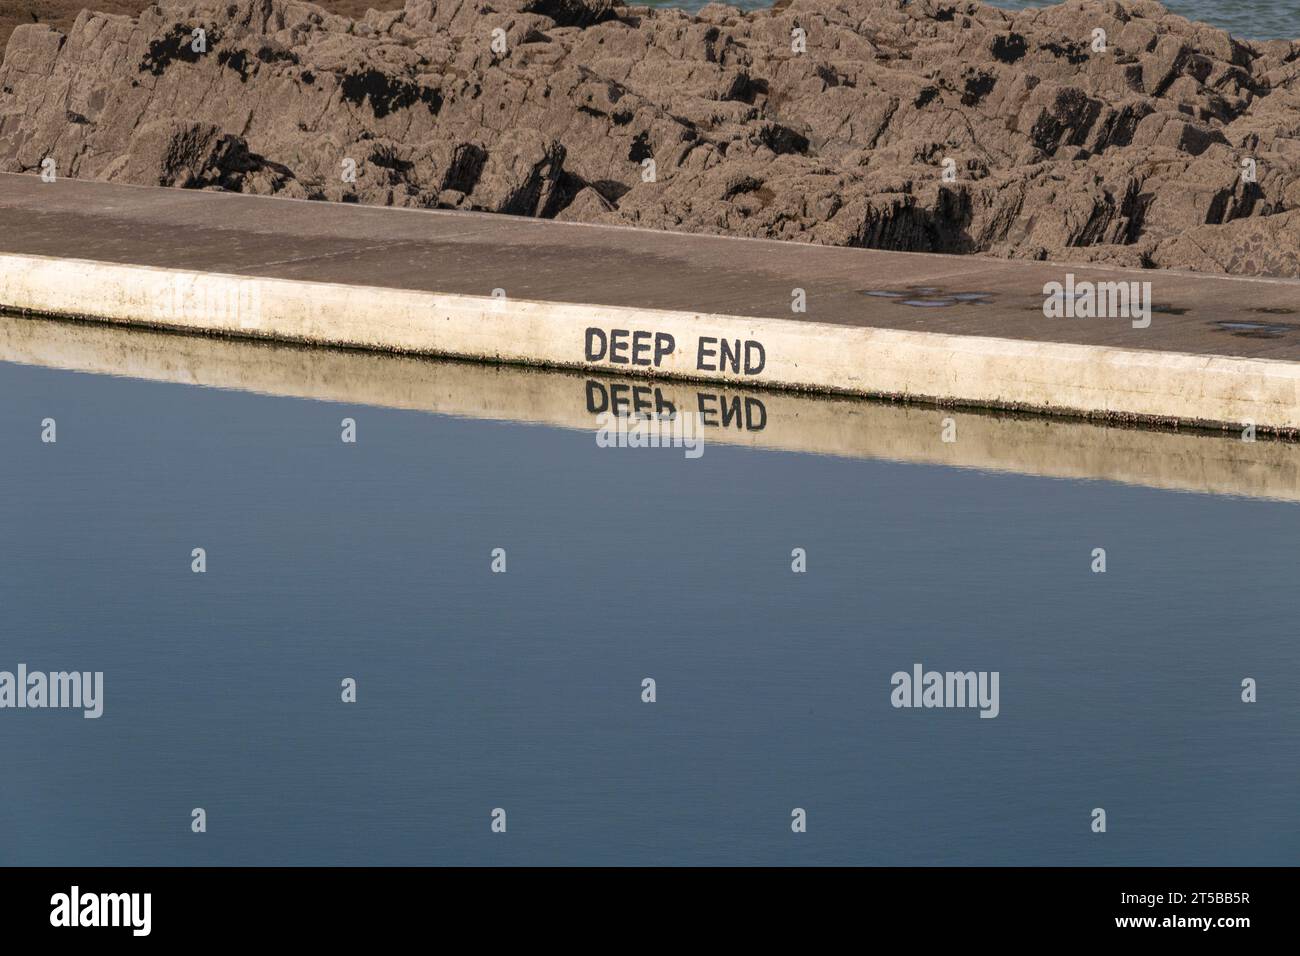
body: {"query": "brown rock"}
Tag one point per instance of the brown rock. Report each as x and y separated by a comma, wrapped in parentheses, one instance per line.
(941, 125)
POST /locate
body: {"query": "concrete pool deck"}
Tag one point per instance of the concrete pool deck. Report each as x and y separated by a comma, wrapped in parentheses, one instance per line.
(962, 330)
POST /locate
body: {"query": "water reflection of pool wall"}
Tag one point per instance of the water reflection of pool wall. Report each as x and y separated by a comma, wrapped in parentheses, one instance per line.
(786, 421)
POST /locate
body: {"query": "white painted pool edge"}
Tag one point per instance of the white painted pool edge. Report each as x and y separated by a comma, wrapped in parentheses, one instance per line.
(803, 355)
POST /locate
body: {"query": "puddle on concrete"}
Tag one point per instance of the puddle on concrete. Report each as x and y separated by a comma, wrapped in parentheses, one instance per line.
(1256, 330)
(930, 297)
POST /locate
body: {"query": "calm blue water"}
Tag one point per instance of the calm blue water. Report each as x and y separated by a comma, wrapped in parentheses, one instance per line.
(1250, 19)
(522, 690)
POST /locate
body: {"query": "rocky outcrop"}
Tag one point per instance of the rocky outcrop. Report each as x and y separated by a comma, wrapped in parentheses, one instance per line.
(939, 125)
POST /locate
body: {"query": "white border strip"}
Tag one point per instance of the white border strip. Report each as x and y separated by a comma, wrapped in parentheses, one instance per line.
(771, 353)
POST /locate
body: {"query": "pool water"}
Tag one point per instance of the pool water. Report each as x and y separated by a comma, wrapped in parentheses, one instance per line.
(524, 691)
